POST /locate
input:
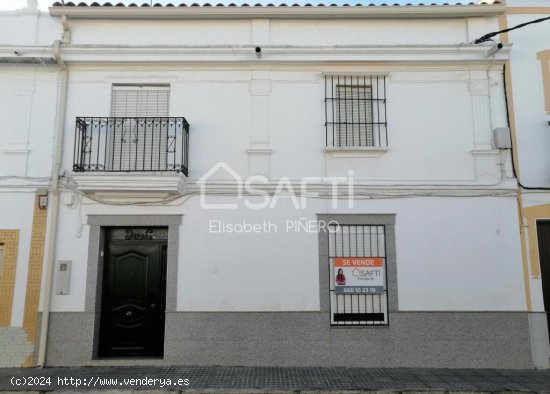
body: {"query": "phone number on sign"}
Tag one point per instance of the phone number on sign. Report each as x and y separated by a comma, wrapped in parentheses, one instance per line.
(358, 290)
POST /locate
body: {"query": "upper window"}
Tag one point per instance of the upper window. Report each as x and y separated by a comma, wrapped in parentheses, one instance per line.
(139, 134)
(140, 100)
(355, 111)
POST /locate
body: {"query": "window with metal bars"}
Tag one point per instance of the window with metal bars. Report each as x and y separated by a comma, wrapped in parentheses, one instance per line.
(362, 297)
(355, 111)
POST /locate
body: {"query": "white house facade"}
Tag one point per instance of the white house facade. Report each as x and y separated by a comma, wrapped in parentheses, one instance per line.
(262, 185)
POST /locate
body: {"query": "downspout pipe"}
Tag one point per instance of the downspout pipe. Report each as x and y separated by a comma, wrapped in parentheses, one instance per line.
(54, 201)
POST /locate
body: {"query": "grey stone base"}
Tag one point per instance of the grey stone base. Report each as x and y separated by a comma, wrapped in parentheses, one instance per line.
(413, 339)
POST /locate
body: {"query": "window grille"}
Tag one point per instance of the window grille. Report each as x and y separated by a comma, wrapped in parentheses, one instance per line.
(355, 111)
(364, 309)
(138, 139)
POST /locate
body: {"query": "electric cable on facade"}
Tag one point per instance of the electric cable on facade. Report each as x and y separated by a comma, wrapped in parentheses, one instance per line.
(488, 36)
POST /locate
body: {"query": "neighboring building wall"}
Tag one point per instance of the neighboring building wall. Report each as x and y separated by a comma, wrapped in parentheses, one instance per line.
(15, 235)
(529, 98)
(27, 110)
(17, 342)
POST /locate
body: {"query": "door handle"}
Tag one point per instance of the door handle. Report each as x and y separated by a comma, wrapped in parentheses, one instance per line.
(153, 306)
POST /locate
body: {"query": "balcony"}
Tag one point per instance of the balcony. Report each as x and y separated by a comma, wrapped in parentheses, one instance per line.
(131, 144)
(131, 154)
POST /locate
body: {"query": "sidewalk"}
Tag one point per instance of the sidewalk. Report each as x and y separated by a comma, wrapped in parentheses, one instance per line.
(270, 380)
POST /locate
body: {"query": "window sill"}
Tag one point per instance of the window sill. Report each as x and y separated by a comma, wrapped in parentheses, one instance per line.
(355, 151)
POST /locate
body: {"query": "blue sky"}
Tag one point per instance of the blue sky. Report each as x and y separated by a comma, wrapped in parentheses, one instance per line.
(43, 4)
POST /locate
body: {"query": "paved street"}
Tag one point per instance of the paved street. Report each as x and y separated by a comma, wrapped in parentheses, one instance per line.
(270, 380)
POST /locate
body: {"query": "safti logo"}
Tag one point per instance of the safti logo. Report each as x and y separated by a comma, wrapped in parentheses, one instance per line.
(259, 192)
(365, 273)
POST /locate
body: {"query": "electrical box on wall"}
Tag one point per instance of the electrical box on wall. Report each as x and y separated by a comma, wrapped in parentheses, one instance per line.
(501, 138)
(63, 277)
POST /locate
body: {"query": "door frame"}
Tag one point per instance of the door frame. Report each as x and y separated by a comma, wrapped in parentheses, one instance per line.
(96, 255)
(541, 269)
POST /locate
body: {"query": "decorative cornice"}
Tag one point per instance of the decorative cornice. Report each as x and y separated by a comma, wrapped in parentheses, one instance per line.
(313, 12)
(277, 54)
(360, 186)
(234, 54)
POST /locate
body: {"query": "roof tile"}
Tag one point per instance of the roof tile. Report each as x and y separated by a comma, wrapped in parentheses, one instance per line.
(108, 4)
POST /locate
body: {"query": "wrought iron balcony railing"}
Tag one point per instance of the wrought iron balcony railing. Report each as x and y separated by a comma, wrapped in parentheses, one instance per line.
(131, 144)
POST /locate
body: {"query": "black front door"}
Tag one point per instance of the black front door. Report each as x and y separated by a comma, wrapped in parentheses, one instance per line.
(543, 234)
(133, 297)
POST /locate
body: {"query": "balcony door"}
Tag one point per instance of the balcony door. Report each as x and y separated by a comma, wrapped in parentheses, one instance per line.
(138, 137)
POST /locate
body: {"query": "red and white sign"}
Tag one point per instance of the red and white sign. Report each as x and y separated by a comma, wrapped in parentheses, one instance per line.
(355, 275)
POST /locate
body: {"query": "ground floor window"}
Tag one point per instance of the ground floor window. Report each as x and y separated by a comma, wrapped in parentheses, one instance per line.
(357, 269)
(357, 266)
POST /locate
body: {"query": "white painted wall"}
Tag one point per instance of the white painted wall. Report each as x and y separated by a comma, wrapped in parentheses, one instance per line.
(454, 254)
(28, 27)
(281, 32)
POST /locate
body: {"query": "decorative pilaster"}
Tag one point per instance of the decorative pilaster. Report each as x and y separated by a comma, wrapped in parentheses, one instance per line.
(486, 165)
(17, 149)
(259, 151)
(481, 111)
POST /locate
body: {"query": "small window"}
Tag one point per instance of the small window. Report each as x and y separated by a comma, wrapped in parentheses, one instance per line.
(358, 277)
(355, 111)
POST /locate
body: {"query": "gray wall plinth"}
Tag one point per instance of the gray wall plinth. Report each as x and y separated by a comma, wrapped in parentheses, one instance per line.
(538, 330)
(70, 338)
(413, 339)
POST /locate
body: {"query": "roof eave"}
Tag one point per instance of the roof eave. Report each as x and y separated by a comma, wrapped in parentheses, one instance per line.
(328, 12)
